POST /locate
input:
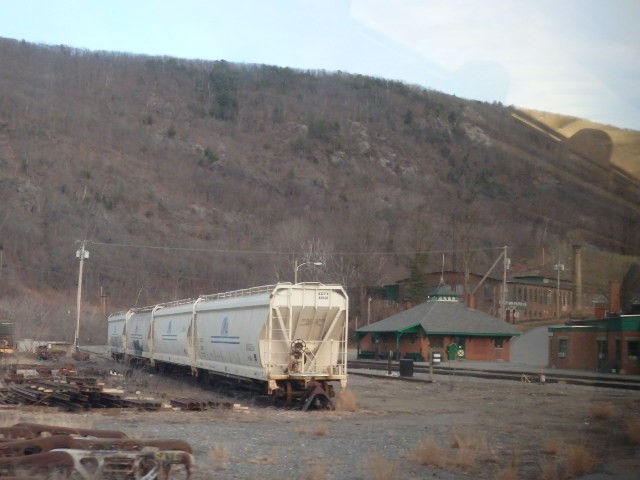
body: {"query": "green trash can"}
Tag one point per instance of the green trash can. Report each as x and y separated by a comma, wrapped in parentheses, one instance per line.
(406, 367)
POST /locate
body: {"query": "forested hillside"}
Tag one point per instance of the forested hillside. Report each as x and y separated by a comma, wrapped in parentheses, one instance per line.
(191, 177)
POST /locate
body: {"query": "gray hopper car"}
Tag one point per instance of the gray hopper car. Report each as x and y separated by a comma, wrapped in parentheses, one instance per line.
(288, 340)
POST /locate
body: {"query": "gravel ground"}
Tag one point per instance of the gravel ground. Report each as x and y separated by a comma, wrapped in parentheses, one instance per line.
(472, 428)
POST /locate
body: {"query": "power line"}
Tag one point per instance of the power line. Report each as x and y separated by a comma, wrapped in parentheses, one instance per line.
(277, 252)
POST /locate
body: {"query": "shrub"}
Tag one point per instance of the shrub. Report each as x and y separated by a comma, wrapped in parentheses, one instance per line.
(633, 431)
(346, 401)
(379, 468)
(171, 131)
(549, 471)
(323, 130)
(316, 471)
(601, 411)
(578, 460)
(429, 453)
(219, 456)
(552, 446)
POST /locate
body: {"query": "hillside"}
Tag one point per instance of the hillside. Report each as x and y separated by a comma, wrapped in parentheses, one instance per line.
(193, 177)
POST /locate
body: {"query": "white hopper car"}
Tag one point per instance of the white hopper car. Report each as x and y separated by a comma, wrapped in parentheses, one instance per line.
(290, 340)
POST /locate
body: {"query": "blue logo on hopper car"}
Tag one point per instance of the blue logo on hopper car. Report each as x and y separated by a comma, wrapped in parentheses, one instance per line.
(224, 331)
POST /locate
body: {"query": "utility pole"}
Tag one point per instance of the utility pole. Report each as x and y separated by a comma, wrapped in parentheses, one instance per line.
(103, 296)
(81, 255)
(503, 301)
(559, 267)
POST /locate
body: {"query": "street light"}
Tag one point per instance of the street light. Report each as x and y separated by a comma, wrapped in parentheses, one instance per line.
(559, 267)
(295, 273)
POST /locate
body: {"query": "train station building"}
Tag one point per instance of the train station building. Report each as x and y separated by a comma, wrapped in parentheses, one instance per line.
(443, 324)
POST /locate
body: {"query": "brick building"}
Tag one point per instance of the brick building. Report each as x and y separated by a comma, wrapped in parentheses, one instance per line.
(611, 344)
(528, 297)
(441, 324)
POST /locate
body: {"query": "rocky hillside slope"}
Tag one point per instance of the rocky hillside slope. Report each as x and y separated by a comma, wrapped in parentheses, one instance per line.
(189, 177)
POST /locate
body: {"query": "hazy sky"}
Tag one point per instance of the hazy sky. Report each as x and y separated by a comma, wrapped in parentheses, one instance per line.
(577, 57)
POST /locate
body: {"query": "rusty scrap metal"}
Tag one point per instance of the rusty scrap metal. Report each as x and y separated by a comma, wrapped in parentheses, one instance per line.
(40, 464)
(45, 444)
(39, 429)
(67, 456)
(15, 433)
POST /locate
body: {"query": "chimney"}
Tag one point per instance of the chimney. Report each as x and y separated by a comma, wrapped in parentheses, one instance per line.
(614, 296)
(471, 301)
(577, 279)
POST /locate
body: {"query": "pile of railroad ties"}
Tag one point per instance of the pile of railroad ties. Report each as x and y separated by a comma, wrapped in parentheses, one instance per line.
(65, 389)
(35, 451)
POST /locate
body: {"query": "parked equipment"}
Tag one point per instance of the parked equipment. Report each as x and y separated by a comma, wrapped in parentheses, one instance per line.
(288, 340)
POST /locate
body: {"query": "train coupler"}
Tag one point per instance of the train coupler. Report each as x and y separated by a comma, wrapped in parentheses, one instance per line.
(317, 394)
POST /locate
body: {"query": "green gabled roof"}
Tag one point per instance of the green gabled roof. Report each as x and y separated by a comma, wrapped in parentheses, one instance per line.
(443, 318)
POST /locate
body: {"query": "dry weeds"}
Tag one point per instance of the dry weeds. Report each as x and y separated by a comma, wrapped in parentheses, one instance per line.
(265, 460)
(316, 471)
(601, 411)
(552, 446)
(549, 471)
(219, 456)
(430, 453)
(633, 431)
(319, 430)
(471, 449)
(578, 460)
(509, 473)
(346, 401)
(379, 468)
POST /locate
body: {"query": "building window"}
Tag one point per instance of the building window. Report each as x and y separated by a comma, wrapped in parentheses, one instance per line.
(436, 342)
(603, 349)
(488, 292)
(498, 342)
(633, 351)
(563, 347)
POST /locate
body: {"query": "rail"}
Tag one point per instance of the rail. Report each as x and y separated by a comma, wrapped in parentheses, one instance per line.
(600, 381)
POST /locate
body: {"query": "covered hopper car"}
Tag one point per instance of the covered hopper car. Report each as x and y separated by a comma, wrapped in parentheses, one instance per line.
(288, 340)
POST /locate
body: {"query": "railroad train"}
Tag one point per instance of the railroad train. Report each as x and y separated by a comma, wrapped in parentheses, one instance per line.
(287, 340)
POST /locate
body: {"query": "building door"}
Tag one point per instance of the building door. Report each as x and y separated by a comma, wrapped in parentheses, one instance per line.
(452, 351)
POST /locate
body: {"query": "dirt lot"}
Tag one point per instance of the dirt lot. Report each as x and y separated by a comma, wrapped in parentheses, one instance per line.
(387, 428)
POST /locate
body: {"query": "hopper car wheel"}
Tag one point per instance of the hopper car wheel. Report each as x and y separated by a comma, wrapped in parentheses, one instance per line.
(288, 398)
(284, 396)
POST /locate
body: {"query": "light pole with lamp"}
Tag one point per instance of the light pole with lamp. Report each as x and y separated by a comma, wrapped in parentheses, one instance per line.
(81, 254)
(295, 273)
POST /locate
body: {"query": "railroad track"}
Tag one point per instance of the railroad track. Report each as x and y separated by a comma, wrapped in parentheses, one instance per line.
(600, 381)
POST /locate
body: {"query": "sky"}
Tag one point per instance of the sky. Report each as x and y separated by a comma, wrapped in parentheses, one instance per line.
(574, 57)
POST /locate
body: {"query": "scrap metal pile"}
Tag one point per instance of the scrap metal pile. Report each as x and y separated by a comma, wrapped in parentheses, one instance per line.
(36, 451)
(65, 389)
